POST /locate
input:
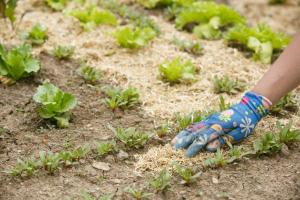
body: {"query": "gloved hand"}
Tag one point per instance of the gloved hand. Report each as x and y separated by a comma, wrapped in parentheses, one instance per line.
(234, 125)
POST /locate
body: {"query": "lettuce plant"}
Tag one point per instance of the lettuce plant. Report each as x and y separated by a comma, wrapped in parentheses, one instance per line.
(177, 71)
(133, 38)
(192, 47)
(188, 175)
(218, 161)
(7, 9)
(37, 35)
(105, 148)
(55, 104)
(286, 135)
(24, 168)
(267, 144)
(63, 52)
(131, 137)
(227, 85)
(162, 182)
(123, 99)
(154, 3)
(287, 102)
(89, 74)
(137, 193)
(92, 17)
(212, 16)
(17, 62)
(57, 5)
(260, 40)
(130, 15)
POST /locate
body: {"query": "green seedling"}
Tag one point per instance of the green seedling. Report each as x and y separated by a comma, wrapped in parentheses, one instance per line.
(123, 99)
(287, 136)
(203, 12)
(288, 102)
(267, 144)
(262, 41)
(130, 137)
(134, 38)
(57, 5)
(105, 148)
(50, 161)
(55, 104)
(24, 168)
(162, 182)
(222, 104)
(188, 175)
(177, 71)
(138, 194)
(235, 154)
(37, 35)
(66, 158)
(80, 153)
(7, 9)
(164, 129)
(218, 161)
(89, 74)
(91, 17)
(130, 14)
(192, 47)
(63, 52)
(183, 121)
(18, 62)
(210, 30)
(225, 84)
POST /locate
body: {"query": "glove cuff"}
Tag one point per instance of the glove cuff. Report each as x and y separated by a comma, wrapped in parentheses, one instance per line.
(259, 104)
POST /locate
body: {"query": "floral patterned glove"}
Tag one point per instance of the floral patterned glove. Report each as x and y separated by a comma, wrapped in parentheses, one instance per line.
(234, 125)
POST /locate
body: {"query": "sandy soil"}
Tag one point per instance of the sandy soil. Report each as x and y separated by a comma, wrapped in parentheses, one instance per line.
(25, 134)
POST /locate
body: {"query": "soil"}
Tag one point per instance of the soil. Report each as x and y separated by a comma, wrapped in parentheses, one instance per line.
(23, 134)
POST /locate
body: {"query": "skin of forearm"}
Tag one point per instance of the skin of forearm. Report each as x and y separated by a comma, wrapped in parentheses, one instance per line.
(284, 74)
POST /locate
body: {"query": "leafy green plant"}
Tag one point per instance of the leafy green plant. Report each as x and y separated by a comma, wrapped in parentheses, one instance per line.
(218, 161)
(213, 16)
(7, 9)
(235, 153)
(79, 153)
(225, 84)
(18, 62)
(57, 5)
(287, 102)
(210, 30)
(138, 194)
(24, 168)
(267, 144)
(66, 158)
(50, 161)
(89, 74)
(188, 175)
(193, 47)
(164, 129)
(286, 135)
(131, 137)
(134, 38)
(54, 104)
(262, 41)
(130, 14)
(162, 182)
(105, 148)
(222, 104)
(123, 99)
(184, 121)
(154, 3)
(63, 52)
(177, 71)
(91, 17)
(37, 35)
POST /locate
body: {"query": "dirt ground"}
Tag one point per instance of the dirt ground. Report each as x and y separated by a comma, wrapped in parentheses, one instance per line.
(24, 134)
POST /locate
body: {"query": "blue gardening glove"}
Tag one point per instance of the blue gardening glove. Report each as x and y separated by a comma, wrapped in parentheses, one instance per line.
(234, 125)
